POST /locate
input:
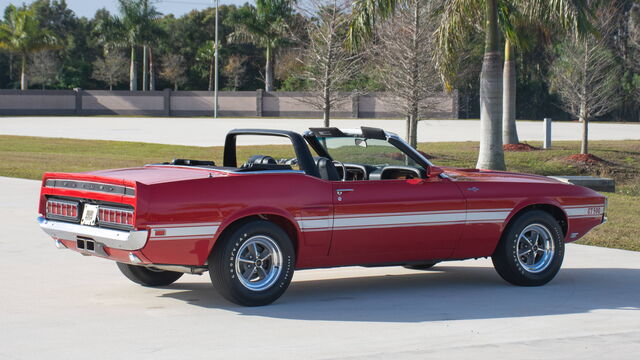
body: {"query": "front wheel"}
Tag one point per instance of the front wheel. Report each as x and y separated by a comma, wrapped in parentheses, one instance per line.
(148, 277)
(253, 264)
(531, 250)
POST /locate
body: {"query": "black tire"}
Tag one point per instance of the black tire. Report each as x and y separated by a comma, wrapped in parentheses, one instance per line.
(146, 277)
(423, 266)
(545, 263)
(229, 274)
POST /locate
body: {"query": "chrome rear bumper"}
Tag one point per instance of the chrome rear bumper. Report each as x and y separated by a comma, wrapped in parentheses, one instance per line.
(116, 239)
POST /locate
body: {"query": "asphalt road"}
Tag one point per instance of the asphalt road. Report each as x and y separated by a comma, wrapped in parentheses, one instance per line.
(57, 304)
(209, 132)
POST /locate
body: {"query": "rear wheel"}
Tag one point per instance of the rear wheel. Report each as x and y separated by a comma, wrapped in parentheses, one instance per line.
(148, 277)
(531, 250)
(253, 264)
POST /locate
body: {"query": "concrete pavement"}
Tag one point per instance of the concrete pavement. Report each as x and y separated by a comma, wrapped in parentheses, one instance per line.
(57, 304)
(209, 132)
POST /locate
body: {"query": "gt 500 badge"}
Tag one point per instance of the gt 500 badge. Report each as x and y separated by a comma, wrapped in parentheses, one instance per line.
(594, 211)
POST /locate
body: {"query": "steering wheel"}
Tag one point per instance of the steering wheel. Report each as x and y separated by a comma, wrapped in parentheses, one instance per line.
(344, 169)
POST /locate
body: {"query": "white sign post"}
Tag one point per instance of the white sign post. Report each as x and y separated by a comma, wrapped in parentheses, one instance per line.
(547, 133)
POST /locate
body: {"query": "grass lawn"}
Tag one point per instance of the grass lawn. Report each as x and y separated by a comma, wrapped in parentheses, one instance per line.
(29, 157)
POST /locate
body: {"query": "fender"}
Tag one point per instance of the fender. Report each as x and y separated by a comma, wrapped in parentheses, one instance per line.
(531, 202)
(255, 211)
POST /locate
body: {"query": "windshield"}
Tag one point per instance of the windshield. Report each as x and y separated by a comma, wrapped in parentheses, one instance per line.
(358, 150)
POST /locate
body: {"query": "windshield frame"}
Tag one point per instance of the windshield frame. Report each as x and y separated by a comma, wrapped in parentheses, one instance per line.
(391, 138)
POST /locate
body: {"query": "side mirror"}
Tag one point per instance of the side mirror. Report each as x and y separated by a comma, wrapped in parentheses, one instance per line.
(434, 171)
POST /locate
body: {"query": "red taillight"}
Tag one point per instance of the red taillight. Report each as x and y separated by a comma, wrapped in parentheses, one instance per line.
(115, 216)
(62, 209)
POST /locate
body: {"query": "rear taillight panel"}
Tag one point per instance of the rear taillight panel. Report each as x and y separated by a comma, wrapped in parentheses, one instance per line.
(115, 217)
(62, 209)
(109, 215)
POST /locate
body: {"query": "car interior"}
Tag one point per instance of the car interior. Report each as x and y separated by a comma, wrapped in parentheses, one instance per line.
(336, 170)
(328, 169)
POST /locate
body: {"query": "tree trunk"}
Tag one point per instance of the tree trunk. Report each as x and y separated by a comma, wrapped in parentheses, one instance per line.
(326, 93)
(584, 114)
(175, 86)
(152, 75)
(326, 108)
(23, 73)
(414, 130)
(110, 87)
(145, 69)
(491, 154)
(509, 130)
(584, 148)
(10, 66)
(268, 79)
(133, 75)
(409, 129)
(413, 141)
(325, 115)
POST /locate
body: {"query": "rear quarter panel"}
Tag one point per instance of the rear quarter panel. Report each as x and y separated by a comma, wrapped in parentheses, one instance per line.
(220, 201)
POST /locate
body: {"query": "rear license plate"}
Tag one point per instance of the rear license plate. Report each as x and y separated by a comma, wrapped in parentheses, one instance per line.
(89, 215)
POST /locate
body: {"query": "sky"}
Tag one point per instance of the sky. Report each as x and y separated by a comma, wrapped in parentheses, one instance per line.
(88, 8)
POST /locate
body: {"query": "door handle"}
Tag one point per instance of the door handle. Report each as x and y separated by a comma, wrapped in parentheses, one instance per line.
(340, 191)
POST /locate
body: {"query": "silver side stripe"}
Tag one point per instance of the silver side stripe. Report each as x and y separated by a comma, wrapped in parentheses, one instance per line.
(376, 215)
(585, 211)
(487, 215)
(385, 226)
(307, 224)
(370, 221)
(407, 219)
(183, 231)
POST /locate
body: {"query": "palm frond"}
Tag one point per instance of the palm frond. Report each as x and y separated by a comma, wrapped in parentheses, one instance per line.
(573, 15)
(458, 19)
(364, 15)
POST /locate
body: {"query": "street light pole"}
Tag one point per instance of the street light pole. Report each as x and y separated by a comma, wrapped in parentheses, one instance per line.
(215, 67)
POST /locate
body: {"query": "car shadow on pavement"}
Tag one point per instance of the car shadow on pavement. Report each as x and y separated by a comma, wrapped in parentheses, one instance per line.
(444, 293)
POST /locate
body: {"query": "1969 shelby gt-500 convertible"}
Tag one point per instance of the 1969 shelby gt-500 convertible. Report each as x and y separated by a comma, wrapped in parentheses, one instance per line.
(366, 198)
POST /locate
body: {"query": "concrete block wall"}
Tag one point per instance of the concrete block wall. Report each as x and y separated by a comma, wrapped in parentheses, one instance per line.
(200, 103)
(97, 102)
(37, 102)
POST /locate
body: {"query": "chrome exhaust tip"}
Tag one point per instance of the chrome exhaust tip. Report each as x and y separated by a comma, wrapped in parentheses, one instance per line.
(134, 259)
(59, 244)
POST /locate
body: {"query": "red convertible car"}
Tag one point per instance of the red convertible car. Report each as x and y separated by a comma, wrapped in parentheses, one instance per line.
(365, 198)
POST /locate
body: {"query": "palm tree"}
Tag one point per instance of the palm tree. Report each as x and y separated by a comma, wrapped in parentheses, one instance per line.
(22, 34)
(206, 55)
(106, 30)
(138, 20)
(456, 21)
(265, 25)
(150, 31)
(517, 24)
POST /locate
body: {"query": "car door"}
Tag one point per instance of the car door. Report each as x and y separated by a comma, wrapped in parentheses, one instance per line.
(385, 221)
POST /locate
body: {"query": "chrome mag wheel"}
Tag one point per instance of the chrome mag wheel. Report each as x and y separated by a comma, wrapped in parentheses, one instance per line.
(259, 263)
(535, 248)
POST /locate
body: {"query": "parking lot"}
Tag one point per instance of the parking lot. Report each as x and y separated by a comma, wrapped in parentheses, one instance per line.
(57, 304)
